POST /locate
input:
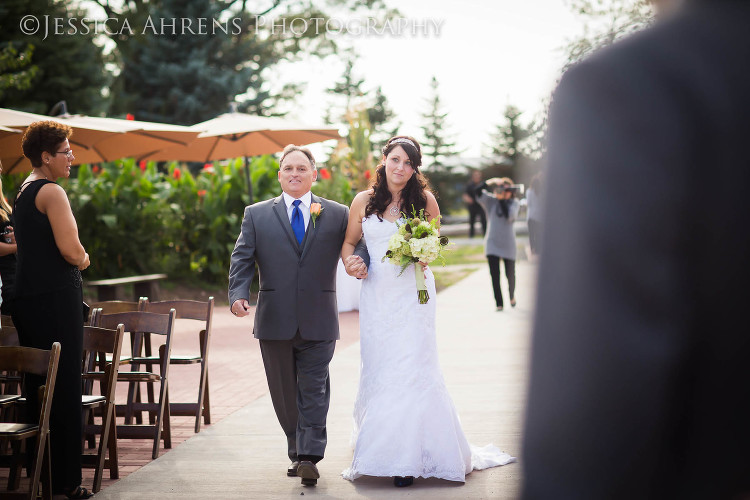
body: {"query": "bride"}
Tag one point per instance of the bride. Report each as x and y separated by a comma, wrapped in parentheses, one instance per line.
(405, 424)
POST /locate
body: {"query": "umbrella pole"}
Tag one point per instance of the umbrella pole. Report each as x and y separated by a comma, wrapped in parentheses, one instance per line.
(249, 182)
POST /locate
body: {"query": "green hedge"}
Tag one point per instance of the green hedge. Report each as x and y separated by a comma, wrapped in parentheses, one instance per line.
(134, 218)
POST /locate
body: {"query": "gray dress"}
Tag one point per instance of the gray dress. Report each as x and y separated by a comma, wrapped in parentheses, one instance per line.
(500, 239)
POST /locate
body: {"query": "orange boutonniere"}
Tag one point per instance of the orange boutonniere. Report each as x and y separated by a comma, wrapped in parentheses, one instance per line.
(315, 209)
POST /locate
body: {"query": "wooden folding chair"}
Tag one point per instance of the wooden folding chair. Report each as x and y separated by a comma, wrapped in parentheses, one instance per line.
(192, 311)
(42, 363)
(140, 323)
(97, 344)
(10, 382)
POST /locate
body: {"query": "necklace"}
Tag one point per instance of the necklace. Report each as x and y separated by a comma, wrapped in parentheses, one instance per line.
(393, 210)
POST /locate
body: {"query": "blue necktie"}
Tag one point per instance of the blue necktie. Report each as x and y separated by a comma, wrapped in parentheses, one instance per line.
(298, 223)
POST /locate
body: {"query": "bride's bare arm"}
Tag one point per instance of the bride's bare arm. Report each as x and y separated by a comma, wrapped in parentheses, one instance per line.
(353, 263)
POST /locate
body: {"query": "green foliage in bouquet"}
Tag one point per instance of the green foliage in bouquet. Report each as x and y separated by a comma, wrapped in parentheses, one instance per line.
(417, 240)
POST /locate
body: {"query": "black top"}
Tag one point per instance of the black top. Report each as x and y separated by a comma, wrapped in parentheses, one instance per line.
(7, 264)
(471, 189)
(41, 267)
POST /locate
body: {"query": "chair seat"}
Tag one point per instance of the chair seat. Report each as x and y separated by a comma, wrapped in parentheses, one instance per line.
(138, 377)
(6, 399)
(93, 400)
(18, 430)
(123, 359)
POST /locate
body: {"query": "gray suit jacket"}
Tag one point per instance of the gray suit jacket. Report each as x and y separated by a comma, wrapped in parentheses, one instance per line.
(639, 378)
(297, 282)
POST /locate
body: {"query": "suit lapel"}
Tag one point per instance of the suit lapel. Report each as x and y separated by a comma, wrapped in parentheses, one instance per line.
(312, 229)
(279, 208)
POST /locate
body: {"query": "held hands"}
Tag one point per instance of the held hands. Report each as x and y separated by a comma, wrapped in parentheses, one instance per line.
(355, 266)
(240, 308)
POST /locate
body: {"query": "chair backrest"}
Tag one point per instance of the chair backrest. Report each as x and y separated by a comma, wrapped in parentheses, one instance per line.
(9, 335)
(6, 319)
(184, 309)
(38, 362)
(139, 322)
(97, 342)
(114, 306)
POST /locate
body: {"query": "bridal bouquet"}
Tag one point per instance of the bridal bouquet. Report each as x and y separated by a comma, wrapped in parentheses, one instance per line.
(416, 240)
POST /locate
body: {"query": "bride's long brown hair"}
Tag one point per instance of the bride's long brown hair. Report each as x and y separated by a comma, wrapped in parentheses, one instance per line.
(413, 194)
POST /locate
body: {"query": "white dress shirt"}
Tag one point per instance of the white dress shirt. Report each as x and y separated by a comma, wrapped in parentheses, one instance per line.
(304, 207)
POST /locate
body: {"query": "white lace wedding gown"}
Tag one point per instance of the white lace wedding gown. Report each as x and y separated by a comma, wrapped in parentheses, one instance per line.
(405, 423)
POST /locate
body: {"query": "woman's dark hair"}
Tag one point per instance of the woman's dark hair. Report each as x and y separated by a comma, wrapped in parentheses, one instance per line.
(43, 136)
(413, 194)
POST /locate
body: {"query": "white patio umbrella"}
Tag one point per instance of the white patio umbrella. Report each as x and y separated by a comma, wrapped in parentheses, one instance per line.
(234, 135)
(95, 139)
(82, 142)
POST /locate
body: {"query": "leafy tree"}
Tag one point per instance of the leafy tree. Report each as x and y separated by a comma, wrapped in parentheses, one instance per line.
(606, 22)
(57, 62)
(436, 144)
(16, 70)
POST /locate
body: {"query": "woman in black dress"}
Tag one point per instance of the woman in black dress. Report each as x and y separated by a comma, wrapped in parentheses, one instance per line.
(48, 304)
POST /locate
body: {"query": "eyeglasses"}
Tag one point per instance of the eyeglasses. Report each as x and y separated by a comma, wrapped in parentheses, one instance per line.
(67, 152)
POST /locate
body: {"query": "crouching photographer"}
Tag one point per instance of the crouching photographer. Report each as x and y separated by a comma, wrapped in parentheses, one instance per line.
(497, 196)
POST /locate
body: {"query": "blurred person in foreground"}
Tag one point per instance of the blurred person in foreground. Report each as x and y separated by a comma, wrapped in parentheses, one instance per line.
(49, 303)
(7, 253)
(639, 379)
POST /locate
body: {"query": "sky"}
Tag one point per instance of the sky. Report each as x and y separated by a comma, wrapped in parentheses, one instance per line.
(485, 54)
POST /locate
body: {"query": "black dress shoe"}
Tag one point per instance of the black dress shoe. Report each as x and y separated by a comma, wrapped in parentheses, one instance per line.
(292, 470)
(308, 471)
(403, 481)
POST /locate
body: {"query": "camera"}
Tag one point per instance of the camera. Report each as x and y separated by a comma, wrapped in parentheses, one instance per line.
(516, 189)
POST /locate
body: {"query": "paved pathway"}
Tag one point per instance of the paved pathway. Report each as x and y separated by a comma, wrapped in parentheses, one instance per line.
(242, 455)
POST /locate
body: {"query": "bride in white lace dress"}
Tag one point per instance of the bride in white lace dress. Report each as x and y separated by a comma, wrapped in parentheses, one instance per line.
(405, 424)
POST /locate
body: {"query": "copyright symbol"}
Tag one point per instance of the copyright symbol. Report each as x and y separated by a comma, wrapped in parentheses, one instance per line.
(29, 25)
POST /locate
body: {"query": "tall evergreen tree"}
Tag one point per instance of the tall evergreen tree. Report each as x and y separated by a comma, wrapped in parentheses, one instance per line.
(200, 75)
(509, 137)
(67, 66)
(436, 143)
(381, 117)
(172, 75)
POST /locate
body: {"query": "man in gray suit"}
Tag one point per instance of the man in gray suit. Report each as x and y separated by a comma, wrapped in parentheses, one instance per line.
(296, 249)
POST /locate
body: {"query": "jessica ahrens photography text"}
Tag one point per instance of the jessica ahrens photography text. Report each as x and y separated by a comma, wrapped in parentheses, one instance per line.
(296, 27)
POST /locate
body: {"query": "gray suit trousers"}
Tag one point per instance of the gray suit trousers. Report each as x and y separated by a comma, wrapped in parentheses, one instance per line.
(297, 374)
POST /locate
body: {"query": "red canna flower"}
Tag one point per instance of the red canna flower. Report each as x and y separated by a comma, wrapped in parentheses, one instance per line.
(201, 193)
(95, 169)
(142, 164)
(129, 117)
(367, 175)
(177, 174)
(208, 168)
(324, 173)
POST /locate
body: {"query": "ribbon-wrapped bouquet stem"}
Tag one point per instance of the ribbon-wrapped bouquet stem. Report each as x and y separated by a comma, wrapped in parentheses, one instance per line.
(416, 240)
